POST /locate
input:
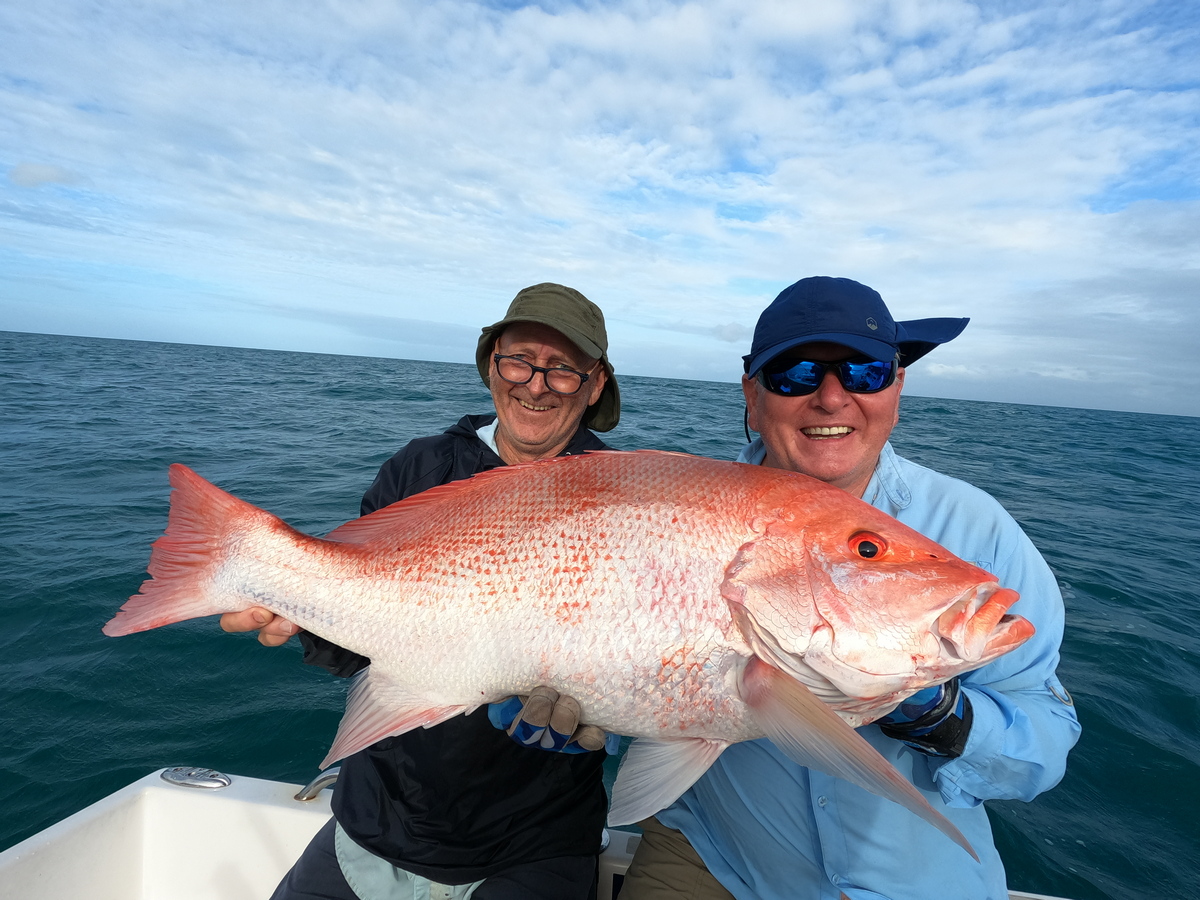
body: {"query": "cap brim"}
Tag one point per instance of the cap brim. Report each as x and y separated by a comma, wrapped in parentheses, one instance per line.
(917, 337)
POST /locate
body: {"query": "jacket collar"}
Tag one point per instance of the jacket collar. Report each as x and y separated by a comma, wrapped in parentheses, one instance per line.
(581, 442)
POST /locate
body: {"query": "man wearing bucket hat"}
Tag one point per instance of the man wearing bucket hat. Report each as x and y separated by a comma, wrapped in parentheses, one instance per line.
(463, 809)
(822, 388)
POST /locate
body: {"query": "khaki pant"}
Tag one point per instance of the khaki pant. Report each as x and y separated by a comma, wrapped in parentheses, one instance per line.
(665, 867)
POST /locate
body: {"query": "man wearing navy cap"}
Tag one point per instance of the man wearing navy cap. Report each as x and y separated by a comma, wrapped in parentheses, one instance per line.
(822, 388)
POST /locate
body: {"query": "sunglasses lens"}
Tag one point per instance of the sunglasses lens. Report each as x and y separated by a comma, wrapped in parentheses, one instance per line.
(865, 377)
(796, 380)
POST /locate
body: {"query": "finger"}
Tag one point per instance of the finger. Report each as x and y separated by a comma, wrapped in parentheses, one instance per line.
(563, 720)
(565, 717)
(524, 733)
(251, 619)
(539, 708)
(529, 727)
(276, 632)
(589, 737)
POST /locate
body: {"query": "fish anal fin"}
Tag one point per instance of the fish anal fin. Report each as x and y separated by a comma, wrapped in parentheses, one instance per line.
(811, 734)
(378, 709)
(654, 774)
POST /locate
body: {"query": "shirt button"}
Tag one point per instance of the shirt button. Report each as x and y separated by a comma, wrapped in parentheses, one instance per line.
(821, 801)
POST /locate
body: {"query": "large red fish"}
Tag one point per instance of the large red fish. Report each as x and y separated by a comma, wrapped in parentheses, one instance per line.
(685, 601)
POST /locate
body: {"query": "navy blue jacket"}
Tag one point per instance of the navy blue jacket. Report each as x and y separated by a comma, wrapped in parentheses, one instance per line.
(460, 801)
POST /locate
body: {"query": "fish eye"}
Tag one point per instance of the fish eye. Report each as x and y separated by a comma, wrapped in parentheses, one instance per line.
(868, 545)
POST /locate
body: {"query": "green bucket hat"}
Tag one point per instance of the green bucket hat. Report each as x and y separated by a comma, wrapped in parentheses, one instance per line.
(567, 311)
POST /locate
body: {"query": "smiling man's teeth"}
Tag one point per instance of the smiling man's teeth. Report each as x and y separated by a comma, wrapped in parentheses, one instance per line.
(826, 431)
(537, 408)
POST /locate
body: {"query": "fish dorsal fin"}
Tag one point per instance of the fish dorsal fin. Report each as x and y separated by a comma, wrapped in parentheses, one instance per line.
(378, 708)
(812, 734)
(654, 774)
(384, 524)
(399, 517)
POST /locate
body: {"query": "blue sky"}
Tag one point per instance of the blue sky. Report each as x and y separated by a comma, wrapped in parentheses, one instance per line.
(379, 178)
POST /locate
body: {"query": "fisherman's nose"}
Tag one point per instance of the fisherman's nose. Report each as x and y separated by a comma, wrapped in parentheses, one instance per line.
(831, 394)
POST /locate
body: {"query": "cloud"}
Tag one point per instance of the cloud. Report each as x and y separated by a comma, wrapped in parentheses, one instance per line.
(729, 332)
(352, 166)
(34, 175)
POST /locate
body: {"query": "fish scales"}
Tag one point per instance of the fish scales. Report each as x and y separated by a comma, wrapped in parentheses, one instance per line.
(567, 576)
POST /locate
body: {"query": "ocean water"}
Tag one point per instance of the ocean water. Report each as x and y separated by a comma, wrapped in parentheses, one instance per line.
(88, 428)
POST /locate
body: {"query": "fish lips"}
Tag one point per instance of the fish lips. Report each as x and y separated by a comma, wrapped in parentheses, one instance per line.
(977, 627)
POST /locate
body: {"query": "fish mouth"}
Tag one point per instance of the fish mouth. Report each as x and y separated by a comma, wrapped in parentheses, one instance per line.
(977, 627)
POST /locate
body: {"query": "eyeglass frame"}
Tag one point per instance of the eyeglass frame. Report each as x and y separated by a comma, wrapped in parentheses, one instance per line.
(825, 368)
(533, 370)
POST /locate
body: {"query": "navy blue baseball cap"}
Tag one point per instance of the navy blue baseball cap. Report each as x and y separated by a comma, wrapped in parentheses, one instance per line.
(845, 312)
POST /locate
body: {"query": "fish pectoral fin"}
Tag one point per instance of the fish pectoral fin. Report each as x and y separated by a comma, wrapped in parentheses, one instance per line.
(377, 708)
(654, 774)
(813, 735)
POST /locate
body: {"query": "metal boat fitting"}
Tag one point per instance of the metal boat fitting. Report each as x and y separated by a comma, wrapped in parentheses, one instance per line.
(326, 778)
(195, 777)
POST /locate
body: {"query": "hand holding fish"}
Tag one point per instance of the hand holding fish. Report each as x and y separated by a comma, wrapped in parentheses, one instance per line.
(273, 630)
(936, 720)
(550, 721)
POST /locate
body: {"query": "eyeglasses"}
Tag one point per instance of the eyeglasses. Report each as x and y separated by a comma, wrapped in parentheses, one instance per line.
(561, 380)
(797, 377)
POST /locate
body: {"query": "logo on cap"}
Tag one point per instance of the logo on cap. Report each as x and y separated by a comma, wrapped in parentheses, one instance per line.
(872, 324)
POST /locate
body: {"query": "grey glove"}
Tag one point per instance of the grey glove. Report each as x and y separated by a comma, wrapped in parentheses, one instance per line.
(550, 721)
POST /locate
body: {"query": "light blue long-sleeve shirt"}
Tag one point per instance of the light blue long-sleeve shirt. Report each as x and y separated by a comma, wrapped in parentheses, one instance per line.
(769, 829)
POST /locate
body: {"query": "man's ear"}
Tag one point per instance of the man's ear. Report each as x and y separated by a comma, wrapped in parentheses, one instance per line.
(750, 390)
(597, 381)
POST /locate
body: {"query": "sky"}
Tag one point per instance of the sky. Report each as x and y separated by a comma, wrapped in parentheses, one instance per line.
(380, 178)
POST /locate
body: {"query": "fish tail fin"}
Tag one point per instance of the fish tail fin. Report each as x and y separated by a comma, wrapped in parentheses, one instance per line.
(184, 560)
(812, 734)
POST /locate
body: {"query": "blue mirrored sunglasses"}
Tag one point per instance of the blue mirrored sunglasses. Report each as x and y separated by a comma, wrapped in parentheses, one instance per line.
(797, 377)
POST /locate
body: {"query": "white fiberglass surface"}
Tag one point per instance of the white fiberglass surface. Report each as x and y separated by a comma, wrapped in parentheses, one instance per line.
(154, 841)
